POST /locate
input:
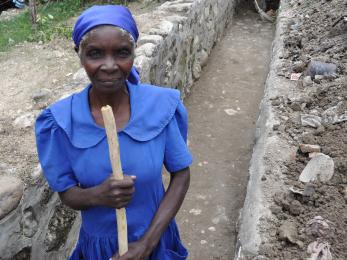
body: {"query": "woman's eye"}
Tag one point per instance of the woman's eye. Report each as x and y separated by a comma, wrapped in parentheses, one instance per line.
(94, 54)
(124, 53)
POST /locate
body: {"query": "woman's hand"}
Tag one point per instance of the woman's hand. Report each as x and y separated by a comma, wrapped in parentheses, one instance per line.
(115, 193)
(111, 193)
(136, 251)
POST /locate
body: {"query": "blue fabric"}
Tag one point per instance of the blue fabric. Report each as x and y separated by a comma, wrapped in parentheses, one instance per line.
(19, 3)
(96, 15)
(73, 150)
(116, 15)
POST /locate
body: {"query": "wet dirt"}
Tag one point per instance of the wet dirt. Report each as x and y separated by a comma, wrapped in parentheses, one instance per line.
(223, 107)
(314, 33)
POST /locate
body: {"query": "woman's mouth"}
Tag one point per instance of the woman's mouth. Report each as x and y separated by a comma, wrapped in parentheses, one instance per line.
(109, 81)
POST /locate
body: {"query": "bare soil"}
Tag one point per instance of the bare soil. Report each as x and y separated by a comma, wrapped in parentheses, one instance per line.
(316, 32)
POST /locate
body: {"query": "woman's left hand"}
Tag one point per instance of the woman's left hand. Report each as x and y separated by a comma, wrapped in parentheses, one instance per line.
(136, 251)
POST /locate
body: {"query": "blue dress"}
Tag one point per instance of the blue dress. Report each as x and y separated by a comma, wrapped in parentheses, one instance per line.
(73, 150)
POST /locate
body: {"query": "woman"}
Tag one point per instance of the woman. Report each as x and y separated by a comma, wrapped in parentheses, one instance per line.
(152, 131)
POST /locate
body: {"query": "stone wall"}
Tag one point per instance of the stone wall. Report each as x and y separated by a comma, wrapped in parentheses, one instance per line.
(176, 39)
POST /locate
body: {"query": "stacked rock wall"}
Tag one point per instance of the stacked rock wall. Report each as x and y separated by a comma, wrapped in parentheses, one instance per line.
(175, 41)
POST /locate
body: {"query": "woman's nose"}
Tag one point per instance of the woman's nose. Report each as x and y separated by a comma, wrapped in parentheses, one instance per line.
(110, 64)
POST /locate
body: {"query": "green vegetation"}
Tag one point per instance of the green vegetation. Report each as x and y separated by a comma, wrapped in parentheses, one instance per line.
(53, 20)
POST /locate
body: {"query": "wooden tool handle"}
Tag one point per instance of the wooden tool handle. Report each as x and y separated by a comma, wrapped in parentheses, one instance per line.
(113, 146)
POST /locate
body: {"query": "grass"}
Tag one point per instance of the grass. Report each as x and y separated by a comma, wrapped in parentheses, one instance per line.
(53, 21)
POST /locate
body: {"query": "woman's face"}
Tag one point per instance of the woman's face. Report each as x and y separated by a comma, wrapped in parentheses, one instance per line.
(107, 55)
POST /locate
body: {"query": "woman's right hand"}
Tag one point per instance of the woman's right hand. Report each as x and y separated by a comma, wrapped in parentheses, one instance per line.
(115, 193)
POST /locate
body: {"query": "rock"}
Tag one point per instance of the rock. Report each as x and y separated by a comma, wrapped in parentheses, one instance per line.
(29, 223)
(147, 49)
(143, 63)
(307, 81)
(314, 154)
(163, 29)
(155, 39)
(319, 251)
(295, 208)
(319, 77)
(42, 95)
(344, 193)
(321, 68)
(212, 229)
(196, 70)
(180, 7)
(319, 227)
(203, 57)
(288, 232)
(311, 120)
(24, 121)
(11, 192)
(336, 114)
(309, 148)
(319, 168)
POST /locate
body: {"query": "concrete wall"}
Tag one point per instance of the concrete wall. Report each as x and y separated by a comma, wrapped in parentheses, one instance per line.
(174, 45)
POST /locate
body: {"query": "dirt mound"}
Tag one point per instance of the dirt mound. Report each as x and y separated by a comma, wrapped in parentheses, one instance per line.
(310, 218)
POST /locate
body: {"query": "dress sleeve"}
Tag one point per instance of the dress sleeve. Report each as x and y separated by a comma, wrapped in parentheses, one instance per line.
(177, 155)
(50, 141)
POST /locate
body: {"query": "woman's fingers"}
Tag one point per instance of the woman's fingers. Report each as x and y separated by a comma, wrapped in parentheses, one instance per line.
(127, 182)
(122, 191)
(116, 193)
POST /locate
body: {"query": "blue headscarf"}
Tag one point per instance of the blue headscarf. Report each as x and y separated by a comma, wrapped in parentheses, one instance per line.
(116, 15)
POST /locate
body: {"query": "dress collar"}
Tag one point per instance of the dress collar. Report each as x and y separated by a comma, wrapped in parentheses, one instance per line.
(151, 110)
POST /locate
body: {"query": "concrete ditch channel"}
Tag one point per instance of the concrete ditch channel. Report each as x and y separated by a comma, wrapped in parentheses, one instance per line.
(222, 88)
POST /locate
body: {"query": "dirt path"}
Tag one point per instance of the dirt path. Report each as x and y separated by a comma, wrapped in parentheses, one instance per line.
(223, 109)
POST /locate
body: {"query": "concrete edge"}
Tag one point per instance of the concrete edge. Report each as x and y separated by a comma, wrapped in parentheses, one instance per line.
(270, 151)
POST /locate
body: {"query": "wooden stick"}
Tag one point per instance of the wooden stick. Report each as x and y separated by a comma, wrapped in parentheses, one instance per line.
(111, 131)
(262, 14)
